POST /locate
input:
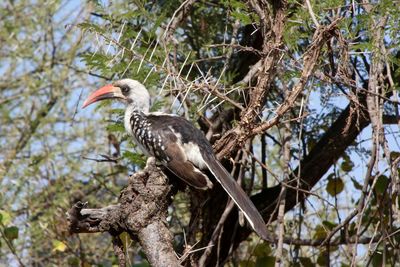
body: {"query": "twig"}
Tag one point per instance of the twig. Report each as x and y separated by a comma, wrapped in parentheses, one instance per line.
(118, 247)
(177, 18)
(282, 202)
(105, 158)
(310, 10)
(310, 59)
(239, 47)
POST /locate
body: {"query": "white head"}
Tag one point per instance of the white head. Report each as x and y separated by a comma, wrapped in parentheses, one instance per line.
(128, 91)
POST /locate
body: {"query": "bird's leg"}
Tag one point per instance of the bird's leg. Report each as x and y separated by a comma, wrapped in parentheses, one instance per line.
(155, 162)
(151, 161)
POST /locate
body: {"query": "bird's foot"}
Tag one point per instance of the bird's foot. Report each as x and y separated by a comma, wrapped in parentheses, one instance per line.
(151, 161)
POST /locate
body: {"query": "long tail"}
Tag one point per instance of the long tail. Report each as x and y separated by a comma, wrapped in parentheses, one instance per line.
(238, 195)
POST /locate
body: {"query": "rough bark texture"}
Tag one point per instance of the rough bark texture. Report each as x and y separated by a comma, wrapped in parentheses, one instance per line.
(143, 204)
(155, 239)
(141, 212)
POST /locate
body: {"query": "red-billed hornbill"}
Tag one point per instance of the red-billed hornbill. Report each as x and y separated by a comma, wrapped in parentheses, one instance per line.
(176, 143)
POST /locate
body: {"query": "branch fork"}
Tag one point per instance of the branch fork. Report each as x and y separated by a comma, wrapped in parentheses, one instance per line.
(141, 212)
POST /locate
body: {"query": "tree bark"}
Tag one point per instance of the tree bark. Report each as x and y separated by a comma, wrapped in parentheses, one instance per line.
(141, 212)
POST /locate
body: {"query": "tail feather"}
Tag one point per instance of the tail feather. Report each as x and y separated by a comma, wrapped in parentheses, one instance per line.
(238, 196)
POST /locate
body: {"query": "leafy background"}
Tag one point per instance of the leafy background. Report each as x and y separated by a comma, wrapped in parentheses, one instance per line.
(53, 153)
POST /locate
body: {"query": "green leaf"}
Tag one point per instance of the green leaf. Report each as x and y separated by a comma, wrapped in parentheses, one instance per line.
(334, 186)
(73, 261)
(377, 259)
(394, 155)
(329, 225)
(5, 217)
(362, 46)
(97, 61)
(119, 111)
(356, 184)
(91, 27)
(157, 105)
(116, 127)
(246, 263)
(262, 250)
(381, 184)
(320, 232)
(59, 246)
(36, 159)
(265, 261)
(306, 262)
(135, 158)
(11, 232)
(347, 165)
(124, 236)
(322, 259)
(241, 16)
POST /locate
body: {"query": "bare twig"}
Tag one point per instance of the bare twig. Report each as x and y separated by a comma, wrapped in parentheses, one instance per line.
(178, 16)
(105, 158)
(282, 202)
(310, 10)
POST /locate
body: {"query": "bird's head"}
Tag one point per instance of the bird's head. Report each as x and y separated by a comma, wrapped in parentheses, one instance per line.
(128, 91)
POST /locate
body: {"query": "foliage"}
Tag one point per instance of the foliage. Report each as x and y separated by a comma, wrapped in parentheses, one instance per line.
(54, 154)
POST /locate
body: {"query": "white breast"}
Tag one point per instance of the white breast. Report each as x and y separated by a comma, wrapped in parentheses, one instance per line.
(127, 120)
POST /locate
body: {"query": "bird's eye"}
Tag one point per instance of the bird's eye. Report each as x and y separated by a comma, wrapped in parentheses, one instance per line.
(124, 89)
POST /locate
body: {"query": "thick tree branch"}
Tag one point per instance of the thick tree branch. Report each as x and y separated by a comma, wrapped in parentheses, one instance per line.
(141, 212)
(155, 240)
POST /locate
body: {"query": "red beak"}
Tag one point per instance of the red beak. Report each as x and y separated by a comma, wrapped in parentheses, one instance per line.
(107, 92)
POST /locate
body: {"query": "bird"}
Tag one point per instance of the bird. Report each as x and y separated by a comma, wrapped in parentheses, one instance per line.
(177, 144)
